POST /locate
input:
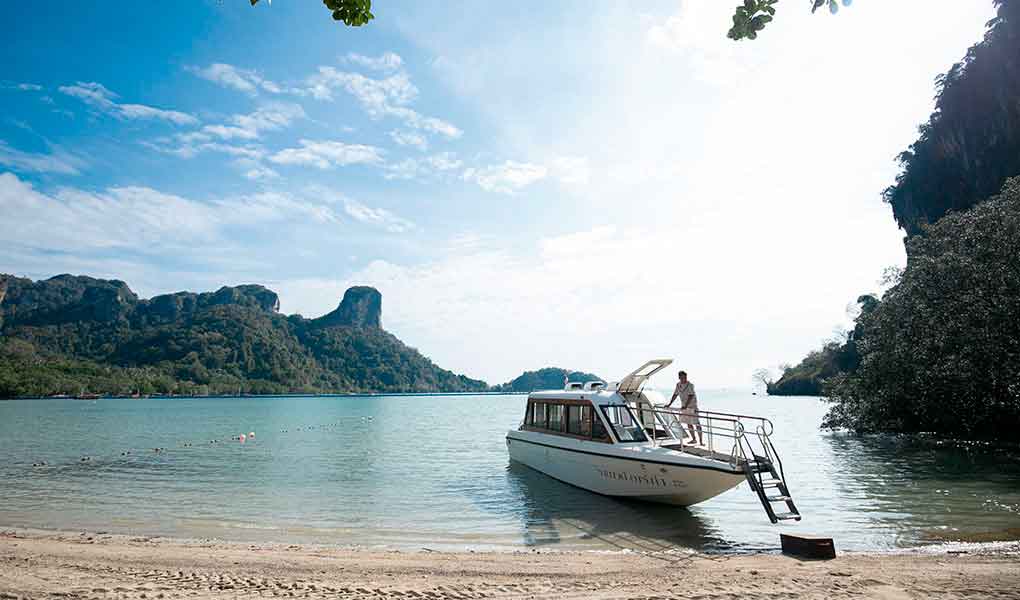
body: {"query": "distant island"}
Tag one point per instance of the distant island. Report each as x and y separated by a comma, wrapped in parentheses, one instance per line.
(549, 378)
(73, 335)
(80, 336)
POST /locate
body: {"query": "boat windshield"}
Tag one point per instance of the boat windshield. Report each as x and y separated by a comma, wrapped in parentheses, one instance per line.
(625, 426)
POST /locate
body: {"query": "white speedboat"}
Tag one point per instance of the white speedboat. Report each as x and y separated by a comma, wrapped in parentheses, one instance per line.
(619, 440)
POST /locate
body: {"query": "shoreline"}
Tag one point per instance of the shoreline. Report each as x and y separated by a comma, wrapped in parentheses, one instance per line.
(96, 566)
(287, 395)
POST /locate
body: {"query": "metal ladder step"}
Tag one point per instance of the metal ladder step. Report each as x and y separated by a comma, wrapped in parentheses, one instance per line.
(771, 482)
(779, 498)
(787, 516)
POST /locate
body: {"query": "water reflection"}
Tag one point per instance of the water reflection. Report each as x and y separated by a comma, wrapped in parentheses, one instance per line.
(554, 513)
(923, 489)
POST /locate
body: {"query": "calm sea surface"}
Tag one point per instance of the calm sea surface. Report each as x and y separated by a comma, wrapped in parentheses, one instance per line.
(413, 472)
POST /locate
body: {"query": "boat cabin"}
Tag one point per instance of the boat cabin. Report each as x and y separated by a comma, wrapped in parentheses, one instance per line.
(595, 415)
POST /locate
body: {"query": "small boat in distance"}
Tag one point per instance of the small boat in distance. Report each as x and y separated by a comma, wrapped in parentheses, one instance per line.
(619, 440)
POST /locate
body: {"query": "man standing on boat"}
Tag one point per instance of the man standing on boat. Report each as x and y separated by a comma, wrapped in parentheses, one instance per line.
(688, 406)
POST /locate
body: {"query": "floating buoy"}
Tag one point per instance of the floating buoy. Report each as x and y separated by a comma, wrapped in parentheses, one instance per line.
(241, 437)
(251, 435)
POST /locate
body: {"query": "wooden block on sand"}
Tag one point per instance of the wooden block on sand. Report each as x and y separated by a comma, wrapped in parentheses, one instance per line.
(807, 546)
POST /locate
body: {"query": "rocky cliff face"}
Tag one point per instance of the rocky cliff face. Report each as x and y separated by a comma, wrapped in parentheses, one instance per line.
(70, 298)
(171, 307)
(361, 307)
(65, 298)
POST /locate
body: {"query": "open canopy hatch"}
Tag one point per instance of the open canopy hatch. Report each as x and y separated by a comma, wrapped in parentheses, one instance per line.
(637, 378)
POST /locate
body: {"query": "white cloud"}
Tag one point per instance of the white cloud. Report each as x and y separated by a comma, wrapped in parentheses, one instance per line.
(409, 138)
(375, 95)
(90, 92)
(133, 217)
(416, 168)
(244, 80)
(506, 178)
(387, 61)
(386, 97)
(571, 170)
(229, 132)
(257, 171)
(327, 154)
(191, 145)
(57, 161)
(271, 117)
(378, 217)
(141, 111)
(21, 87)
(444, 161)
(243, 128)
(408, 168)
(98, 96)
(236, 139)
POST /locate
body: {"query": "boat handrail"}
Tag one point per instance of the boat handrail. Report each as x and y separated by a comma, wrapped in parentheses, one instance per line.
(714, 424)
(762, 420)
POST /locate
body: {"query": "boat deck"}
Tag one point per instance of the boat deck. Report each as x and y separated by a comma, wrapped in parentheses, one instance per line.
(703, 452)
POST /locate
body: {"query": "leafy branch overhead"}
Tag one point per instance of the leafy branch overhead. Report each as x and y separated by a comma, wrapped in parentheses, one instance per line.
(753, 15)
(750, 17)
(354, 13)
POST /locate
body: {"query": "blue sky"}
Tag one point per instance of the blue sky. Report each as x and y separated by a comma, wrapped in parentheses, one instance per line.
(529, 184)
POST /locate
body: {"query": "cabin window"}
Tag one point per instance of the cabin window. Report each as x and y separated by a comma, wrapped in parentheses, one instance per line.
(585, 421)
(571, 418)
(538, 415)
(556, 417)
(623, 423)
(598, 430)
(574, 419)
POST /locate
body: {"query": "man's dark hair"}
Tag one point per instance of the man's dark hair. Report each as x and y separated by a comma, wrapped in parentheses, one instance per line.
(682, 374)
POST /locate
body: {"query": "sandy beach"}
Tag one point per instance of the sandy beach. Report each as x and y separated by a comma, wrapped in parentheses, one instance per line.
(96, 566)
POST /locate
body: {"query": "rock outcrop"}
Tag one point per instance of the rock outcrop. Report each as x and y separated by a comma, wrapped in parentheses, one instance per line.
(361, 306)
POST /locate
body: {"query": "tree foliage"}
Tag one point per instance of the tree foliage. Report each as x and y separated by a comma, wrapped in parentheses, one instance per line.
(941, 351)
(549, 378)
(971, 143)
(749, 18)
(353, 13)
(752, 16)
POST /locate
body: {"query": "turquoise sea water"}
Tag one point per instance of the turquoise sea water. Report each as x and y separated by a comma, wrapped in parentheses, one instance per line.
(432, 471)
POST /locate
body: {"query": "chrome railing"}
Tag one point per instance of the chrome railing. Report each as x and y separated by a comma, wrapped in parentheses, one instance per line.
(718, 429)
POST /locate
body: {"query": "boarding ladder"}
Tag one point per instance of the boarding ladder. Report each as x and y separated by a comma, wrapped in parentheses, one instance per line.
(765, 475)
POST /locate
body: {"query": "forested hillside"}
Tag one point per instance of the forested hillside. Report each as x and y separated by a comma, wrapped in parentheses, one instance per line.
(549, 378)
(68, 335)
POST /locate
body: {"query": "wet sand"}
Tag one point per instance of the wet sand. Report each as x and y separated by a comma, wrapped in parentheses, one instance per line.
(36, 565)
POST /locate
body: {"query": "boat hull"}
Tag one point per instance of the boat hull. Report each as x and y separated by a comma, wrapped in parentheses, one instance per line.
(653, 475)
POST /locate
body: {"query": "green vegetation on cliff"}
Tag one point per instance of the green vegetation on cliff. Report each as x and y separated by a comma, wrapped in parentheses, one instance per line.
(971, 143)
(810, 376)
(941, 351)
(549, 378)
(68, 334)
